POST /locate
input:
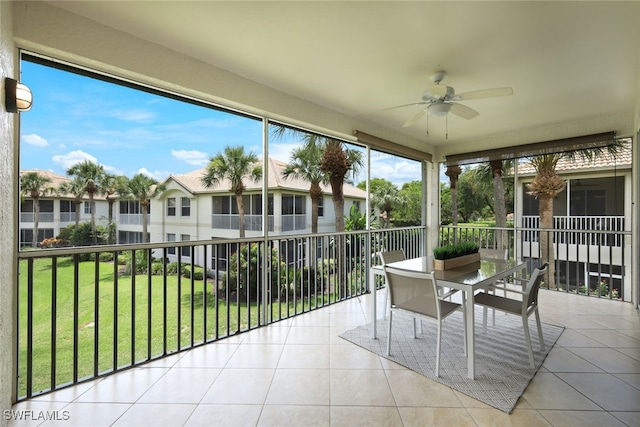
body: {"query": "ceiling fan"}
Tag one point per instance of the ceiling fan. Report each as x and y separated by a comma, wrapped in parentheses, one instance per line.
(439, 100)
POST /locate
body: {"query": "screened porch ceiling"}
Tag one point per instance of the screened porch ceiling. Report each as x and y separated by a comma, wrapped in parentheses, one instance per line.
(573, 66)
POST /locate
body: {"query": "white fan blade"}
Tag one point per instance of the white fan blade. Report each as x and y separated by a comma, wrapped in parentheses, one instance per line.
(463, 111)
(415, 118)
(437, 91)
(484, 93)
(405, 105)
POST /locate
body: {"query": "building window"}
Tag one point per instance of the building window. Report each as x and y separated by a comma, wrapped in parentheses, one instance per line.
(129, 237)
(67, 211)
(356, 203)
(185, 250)
(66, 206)
(171, 206)
(87, 208)
(130, 207)
(321, 207)
(222, 205)
(171, 238)
(293, 205)
(185, 203)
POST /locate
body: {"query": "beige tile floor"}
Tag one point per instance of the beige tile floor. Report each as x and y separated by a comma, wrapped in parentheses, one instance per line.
(300, 373)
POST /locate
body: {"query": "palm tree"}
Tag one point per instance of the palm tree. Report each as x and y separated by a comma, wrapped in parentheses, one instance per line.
(235, 165)
(110, 185)
(74, 187)
(142, 189)
(547, 184)
(494, 171)
(91, 175)
(305, 164)
(453, 172)
(34, 185)
(386, 198)
(337, 163)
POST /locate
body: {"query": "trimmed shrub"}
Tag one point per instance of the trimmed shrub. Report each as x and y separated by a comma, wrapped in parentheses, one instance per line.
(453, 251)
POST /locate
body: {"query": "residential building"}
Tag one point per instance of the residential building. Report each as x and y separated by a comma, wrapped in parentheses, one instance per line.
(57, 210)
(596, 198)
(187, 210)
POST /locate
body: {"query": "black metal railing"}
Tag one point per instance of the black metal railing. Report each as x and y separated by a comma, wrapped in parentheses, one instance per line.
(85, 312)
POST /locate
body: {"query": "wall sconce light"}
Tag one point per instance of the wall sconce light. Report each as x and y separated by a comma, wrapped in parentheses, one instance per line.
(17, 97)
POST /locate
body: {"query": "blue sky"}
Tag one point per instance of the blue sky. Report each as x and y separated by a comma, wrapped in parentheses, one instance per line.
(76, 118)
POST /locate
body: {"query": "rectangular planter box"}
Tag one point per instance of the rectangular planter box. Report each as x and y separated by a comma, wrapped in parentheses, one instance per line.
(451, 263)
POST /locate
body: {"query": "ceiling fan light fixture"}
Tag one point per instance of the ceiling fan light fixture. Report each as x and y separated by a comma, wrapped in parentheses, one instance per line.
(439, 109)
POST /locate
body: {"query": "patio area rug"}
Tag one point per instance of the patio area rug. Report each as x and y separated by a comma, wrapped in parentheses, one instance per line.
(502, 362)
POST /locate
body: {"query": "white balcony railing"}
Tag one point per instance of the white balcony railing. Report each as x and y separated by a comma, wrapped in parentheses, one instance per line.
(576, 230)
(133, 219)
(294, 222)
(232, 222)
(30, 217)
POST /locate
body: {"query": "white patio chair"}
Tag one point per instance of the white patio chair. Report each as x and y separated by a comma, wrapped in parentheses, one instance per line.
(416, 294)
(495, 255)
(386, 257)
(525, 307)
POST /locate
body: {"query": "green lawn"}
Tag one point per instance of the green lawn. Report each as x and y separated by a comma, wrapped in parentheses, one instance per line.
(118, 303)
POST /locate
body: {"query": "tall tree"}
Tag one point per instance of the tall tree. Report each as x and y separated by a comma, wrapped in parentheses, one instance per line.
(453, 172)
(410, 211)
(304, 164)
(386, 197)
(75, 187)
(338, 162)
(547, 185)
(234, 165)
(91, 175)
(473, 195)
(111, 184)
(494, 171)
(34, 185)
(142, 189)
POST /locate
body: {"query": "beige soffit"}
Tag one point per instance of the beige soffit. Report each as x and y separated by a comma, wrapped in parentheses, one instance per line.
(391, 147)
(535, 149)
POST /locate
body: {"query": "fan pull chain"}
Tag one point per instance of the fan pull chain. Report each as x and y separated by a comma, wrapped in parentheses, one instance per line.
(446, 126)
(427, 124)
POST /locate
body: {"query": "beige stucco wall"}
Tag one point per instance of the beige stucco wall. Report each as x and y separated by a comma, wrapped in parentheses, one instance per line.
(8, 129)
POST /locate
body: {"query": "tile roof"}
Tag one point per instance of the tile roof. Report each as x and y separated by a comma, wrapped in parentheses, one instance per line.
(190, 181)
(56, 181)
(603, 162)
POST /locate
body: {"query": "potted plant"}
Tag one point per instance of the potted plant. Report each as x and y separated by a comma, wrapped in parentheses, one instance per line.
(456, 255)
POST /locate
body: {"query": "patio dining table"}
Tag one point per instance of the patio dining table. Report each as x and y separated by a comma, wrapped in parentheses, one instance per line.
(468, 279)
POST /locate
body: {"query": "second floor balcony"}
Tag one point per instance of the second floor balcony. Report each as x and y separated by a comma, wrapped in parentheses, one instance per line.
(232, 222)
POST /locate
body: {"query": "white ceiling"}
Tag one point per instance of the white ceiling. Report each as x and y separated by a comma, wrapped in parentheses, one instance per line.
(573, 66)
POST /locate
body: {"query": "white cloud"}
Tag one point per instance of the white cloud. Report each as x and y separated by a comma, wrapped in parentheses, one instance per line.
(35, 140)
(282, 151)
(157, 175)
(72, 158)
(113, 170)
(395, 169)
(192, 157)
